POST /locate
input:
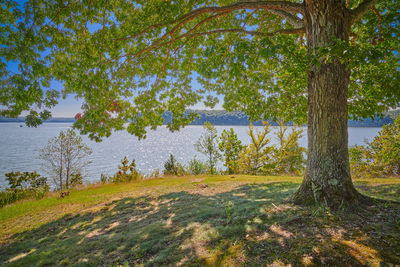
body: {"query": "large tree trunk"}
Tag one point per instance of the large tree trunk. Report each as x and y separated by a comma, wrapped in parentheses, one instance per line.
(327, 180)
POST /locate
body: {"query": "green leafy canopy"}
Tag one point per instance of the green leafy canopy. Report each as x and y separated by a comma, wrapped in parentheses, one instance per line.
(134, 60)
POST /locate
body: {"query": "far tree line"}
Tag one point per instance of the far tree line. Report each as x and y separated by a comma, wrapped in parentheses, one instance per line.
(223, 117)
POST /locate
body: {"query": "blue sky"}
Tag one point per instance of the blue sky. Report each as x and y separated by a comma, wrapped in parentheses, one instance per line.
(67, 107)
(70, 106)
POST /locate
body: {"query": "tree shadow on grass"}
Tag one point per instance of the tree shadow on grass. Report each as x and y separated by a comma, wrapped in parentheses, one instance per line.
(381, 191)
(250, 225)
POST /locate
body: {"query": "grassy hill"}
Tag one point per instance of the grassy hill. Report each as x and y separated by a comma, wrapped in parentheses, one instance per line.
(200, 220)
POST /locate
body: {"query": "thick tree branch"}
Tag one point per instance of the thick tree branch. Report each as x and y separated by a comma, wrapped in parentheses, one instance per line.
(267, 5)
(193, 35)
(361, 10)
(262, 20)
(284, 6)
(270, 5)
(290, 18)
(236, 30)
(257, 33)
(206, 20)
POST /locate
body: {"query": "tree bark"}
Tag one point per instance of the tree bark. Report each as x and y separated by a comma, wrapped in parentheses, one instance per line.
(327, 180)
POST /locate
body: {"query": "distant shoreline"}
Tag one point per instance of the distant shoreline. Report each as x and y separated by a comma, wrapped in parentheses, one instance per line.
(353, 124)
(349, 126)
(223, 118)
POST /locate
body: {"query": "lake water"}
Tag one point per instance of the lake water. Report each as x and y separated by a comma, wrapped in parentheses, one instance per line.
(20, 146)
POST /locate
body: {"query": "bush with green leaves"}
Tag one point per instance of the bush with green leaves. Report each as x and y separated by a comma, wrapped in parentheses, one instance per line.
(386, 149)
(196, 167)
(76, 179)
(231, 147)
(361, 162)
(173, 167)
(155, 173)
(10, 196)
(381, 157)
(104, 178)
(26, 180)
(23, 185)
(208, 145)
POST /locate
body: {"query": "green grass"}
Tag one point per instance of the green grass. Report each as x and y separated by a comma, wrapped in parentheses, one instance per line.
(200, 220)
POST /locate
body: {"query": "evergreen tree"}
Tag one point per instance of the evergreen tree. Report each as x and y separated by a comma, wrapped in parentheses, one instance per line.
(257, 155)
(288, 156)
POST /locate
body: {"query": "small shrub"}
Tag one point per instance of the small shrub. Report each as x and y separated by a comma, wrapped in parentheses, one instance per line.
(170, 166)
(173, 167)
(23, 185)
(127, 172)
(181, 169)
(26, 180)
(9, 196)
(196, 167)
(155, 173)
(385, 150)
(381, 157)
(105, 178)
(40, 192)
(76, 179)
(360, 162)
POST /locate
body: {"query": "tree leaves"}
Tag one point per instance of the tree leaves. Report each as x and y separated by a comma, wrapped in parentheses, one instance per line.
(145, 54)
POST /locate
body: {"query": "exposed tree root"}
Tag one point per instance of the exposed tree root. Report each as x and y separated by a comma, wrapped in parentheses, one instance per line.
(352, 199)
(360, 201)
